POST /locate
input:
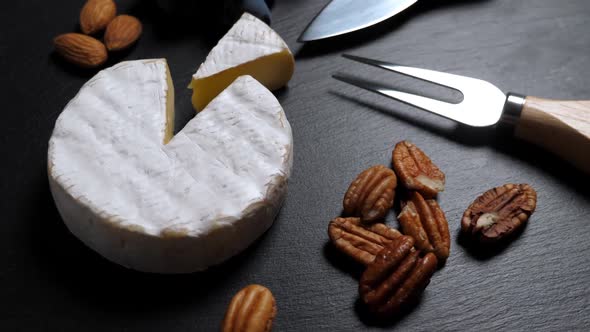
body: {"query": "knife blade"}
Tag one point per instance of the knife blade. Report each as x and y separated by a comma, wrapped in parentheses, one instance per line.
(344, 16)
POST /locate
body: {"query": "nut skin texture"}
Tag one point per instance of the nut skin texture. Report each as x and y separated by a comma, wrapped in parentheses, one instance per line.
(252, 309)
(360, 241)
(96, 15)
(81, 50)
(424, 220)
(371, 194)
(397, 277)
(122, 32)
(499, 212)
(416, 171)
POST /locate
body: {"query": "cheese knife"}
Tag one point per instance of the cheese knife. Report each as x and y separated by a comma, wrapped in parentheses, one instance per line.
(343, 16)
(560, 126)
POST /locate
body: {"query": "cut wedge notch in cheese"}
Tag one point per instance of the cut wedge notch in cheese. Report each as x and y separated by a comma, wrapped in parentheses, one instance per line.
(250, 47)
(174, 207)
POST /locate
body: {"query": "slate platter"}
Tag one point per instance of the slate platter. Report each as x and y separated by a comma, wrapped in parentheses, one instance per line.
(540, 282)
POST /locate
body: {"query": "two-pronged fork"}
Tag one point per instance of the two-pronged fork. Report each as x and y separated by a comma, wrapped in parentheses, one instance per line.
(562, 127)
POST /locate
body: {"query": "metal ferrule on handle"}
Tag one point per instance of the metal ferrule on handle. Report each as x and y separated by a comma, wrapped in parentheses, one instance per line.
(513, 108)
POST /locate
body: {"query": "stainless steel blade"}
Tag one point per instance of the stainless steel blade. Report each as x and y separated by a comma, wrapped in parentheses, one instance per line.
(343, 16)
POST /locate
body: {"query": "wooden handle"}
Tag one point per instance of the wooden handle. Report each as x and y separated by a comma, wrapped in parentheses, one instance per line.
(562, 127)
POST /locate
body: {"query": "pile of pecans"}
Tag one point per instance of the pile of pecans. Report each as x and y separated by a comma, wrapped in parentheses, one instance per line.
(399, 265)
(120, 32)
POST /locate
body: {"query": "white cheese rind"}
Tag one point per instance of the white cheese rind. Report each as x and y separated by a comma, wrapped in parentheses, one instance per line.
(175, 208)
(247, 40)
(251, 48)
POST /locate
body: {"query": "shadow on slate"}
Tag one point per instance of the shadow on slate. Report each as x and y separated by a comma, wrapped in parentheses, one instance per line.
(71, 69)
(72, 267)
(500, 138)
(205, 21)
(538, 157)
(369, 320)
(483, 252)
(193, 20)
(342, 262)
(372, 33)
(460, 133)
(281, 93)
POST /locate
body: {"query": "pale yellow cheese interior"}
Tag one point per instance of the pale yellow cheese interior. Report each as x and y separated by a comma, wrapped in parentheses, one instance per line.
(169, 133)
(273, 71)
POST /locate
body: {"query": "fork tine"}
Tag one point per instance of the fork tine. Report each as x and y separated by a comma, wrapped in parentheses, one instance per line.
(436, 77)
(482, 103)
(442, 108)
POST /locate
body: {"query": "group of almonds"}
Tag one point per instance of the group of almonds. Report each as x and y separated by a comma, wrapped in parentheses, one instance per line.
(399, 266)
(86, 51)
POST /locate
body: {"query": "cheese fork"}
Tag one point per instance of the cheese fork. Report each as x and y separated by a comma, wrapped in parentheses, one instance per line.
(562, 127)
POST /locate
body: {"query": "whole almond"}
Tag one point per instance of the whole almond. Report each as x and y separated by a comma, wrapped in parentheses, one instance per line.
(123, 31)
(96, 15)
(80, 49)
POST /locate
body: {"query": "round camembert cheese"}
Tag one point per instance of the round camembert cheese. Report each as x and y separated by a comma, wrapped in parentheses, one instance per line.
(153, 202)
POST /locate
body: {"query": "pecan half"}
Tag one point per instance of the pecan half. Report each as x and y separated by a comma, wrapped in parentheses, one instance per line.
(416, 171)
(397, 276)
(499, 212)
(426, 223)
(251, 309)
(360, 242)
(370, 195)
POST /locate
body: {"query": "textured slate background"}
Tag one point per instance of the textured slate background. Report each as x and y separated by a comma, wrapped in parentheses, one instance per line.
(541, 281)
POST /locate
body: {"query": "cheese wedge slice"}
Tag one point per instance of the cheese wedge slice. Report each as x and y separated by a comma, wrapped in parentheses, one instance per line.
(156, 203)
(250, 47)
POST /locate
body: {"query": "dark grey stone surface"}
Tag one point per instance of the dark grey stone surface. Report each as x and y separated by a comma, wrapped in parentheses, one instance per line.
(540, 282)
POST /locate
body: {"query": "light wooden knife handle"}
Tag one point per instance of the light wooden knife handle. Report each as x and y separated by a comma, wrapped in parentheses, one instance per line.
(562, 127)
